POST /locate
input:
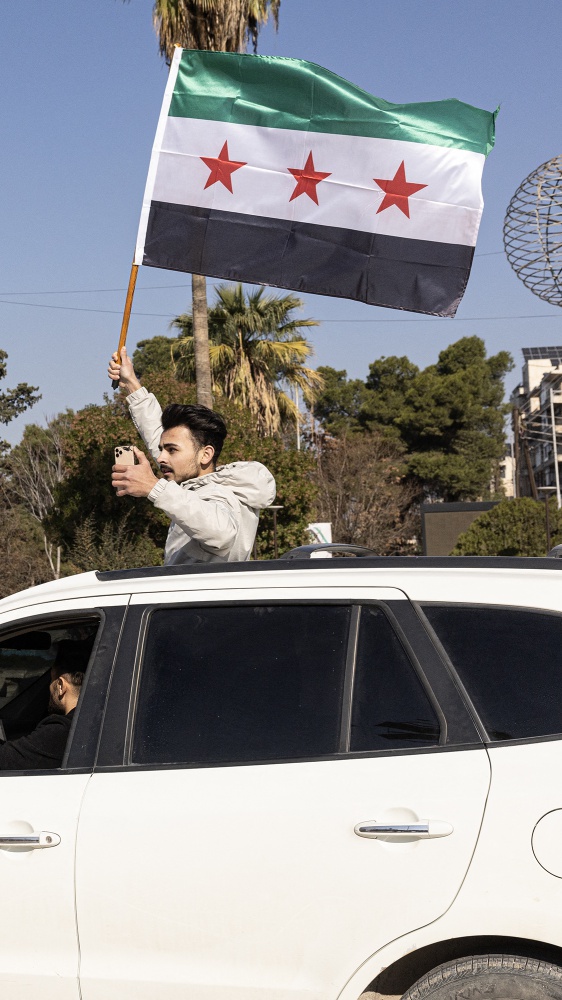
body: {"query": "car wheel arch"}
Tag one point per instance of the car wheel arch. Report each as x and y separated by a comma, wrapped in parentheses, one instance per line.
(398, 977)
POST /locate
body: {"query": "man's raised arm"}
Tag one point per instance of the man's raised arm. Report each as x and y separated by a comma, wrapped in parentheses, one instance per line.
(145, 408)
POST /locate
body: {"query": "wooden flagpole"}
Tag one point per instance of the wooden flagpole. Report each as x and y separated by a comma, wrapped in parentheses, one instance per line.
(126, 315)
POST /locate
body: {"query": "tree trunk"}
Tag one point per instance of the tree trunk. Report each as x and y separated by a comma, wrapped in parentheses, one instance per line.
(55, 569)
(201, 340)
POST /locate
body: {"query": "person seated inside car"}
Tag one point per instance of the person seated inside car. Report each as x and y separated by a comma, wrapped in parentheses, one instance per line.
(44, 747)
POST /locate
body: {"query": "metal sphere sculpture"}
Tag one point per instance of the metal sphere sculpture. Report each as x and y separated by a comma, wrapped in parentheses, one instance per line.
(532, 231)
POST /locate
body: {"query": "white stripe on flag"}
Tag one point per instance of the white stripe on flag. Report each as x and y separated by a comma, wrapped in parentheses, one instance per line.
(447, 210)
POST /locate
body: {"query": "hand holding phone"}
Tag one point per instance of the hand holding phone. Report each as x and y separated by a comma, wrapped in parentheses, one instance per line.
(124, 455)
(132, 473)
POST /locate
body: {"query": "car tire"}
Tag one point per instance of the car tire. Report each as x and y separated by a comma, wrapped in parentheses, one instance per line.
(490, 977)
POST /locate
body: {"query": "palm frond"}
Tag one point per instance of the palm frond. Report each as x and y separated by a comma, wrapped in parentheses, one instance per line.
(183, 323)
(259, 12)
(221, 355)
(217, 25)
(281, 351)
(256, 350)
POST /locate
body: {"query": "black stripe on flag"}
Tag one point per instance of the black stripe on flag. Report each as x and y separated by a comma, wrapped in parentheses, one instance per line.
(416, 275)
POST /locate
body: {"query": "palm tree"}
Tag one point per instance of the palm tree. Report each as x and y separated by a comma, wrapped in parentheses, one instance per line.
(256, 352)
(222, 26)
(218, 25)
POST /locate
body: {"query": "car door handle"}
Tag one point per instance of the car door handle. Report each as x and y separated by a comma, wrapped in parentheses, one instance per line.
(43, 839)
(425, 829)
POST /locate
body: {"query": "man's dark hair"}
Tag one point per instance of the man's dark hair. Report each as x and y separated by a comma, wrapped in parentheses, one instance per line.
(75, 677)
(72, 656)
(206, 426)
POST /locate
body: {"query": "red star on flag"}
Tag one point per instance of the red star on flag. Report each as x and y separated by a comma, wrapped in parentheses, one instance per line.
(221, 168)
(307, 180)
(397, 191)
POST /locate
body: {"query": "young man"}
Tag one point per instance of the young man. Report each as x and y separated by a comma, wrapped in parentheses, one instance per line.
(214, 512)
(45, 746)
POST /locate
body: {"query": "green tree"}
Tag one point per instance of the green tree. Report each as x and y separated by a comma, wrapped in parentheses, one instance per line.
(113, 546)
(339, 404)
(450, 416)
(376, 404)
(14, 401)
(297, 493)
(256, 350)
(30, 476)
(512, 528)
(220, 26)
(387, 384)
(24, 563)
(85, 494)
(154, 356)
(453, 423)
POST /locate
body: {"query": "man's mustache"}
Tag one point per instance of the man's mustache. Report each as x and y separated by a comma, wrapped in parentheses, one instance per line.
(165, 468)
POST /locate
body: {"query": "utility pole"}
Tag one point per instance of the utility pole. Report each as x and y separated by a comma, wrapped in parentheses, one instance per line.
(275, 508)
(546, 490)
(530, 473)
(516, 455)
(555, 450)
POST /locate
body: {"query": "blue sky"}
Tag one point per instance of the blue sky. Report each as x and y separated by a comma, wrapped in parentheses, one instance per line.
(82, 84)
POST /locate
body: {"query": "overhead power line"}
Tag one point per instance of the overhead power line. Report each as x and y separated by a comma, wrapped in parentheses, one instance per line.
(88, 291)
(146, 288)
(112, 312)
(118, 312)
(429, 319)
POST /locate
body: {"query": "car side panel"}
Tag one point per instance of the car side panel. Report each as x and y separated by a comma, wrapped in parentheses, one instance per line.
(226, 883)
(506, 891)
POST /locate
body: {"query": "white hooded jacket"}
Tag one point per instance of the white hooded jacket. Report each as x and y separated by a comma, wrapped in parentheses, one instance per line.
(215, 517)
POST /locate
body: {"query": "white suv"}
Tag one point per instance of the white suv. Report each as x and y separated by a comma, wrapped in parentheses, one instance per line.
(294, 780)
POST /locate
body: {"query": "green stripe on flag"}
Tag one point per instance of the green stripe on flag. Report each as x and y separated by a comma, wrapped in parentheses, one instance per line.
(294, 94)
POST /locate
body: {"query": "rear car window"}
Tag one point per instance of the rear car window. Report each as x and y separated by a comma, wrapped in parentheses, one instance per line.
(510, 662)
(391, 710)
(241, 684)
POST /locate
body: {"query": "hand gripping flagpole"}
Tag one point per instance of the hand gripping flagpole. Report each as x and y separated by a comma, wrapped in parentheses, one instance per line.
(126, 316)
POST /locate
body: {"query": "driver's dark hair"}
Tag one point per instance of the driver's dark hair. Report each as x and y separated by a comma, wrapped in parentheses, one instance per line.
(75, 677)
(206, 426)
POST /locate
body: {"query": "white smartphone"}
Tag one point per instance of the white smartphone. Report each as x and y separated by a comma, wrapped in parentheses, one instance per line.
(124, 455)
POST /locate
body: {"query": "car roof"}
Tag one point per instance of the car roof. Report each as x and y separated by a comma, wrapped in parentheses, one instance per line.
(501, 580)
(405, 563)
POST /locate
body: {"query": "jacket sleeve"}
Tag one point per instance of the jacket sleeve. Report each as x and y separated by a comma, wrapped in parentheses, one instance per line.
(147, 418)
(43, 748)
(211, 516)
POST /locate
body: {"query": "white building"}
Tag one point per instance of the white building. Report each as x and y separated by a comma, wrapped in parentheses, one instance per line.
(537, 420)
(507, 472)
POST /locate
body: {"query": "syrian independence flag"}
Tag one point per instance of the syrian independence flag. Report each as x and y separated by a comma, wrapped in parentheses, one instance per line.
(276, 171)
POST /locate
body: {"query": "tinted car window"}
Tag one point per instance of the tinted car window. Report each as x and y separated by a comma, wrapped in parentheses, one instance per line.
(19, 668)
(510, 661)
(390, 706)
(26, 661)
(241, 683)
